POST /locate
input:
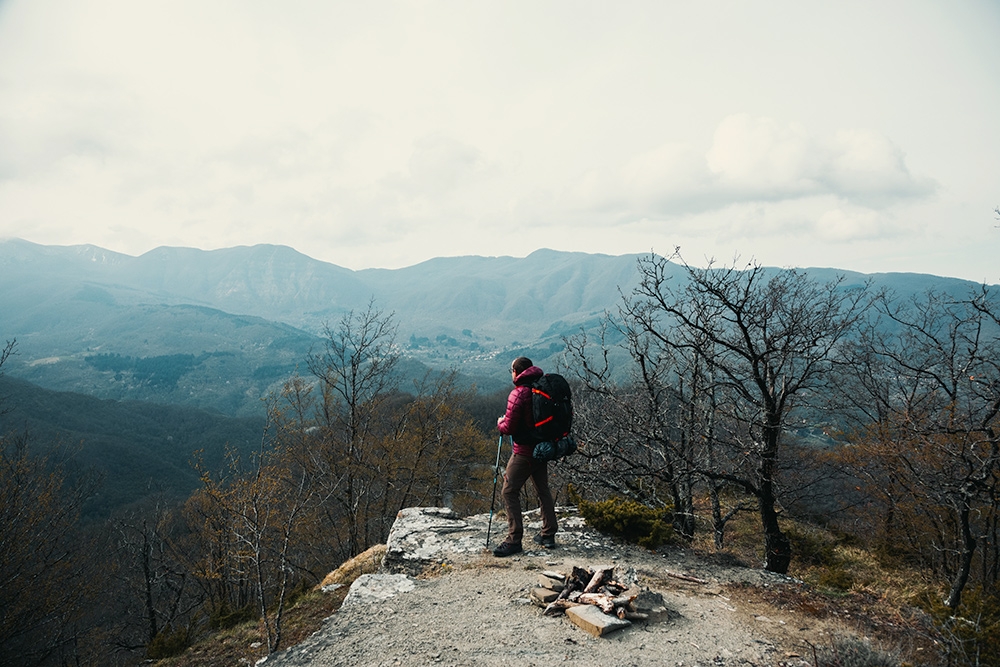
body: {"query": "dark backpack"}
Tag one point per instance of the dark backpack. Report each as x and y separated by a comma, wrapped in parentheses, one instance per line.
(552, 410)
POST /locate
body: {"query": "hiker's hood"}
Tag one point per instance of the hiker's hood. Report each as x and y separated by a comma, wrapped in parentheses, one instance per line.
(528, 375)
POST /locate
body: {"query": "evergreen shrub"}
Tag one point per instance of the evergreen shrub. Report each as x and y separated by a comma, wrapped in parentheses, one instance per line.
(972, 632)
(168, 642)
(850, 651)
(634, 522)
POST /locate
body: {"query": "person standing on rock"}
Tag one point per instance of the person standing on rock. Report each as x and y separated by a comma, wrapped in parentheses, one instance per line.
(518, 422)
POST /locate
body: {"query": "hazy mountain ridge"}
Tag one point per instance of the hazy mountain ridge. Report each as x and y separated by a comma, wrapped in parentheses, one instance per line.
(239, 320)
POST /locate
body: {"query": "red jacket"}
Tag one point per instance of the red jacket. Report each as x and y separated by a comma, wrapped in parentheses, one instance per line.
(518, 421)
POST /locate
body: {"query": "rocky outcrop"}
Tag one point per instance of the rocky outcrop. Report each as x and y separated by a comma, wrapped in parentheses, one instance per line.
(423, 536)
(442, 597)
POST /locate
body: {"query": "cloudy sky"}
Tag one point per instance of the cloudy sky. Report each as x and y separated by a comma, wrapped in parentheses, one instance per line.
(859, 135)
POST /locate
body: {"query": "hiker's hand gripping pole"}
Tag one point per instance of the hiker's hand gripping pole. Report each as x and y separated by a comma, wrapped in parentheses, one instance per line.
(496, 472)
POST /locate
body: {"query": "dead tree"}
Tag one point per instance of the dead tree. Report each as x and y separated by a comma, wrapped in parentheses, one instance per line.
(771, 338)
(925, 392)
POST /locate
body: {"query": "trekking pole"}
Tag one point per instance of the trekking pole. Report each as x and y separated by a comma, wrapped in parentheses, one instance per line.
(496, 471)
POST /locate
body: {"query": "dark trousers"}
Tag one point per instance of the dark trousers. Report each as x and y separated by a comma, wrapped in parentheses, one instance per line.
(519, 469)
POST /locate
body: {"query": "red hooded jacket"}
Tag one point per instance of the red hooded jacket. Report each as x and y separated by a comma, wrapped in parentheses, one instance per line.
(518, 421)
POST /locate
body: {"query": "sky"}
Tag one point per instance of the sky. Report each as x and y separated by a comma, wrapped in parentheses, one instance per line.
(857, 135)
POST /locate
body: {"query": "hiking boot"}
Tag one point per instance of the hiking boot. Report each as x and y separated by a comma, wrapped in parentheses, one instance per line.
(547, 542)
(507, 549)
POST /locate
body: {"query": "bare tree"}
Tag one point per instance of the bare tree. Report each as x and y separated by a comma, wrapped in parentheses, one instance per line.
(153, 586)
(44, 583)
(356, 375)
(926, 388)
(264, 505)
(636, 446)
(5, 353)
(770, 339)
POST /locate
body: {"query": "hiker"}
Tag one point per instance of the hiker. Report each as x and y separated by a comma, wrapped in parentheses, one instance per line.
(518, 423)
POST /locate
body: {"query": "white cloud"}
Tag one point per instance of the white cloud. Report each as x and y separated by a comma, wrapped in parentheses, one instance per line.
(441, 163)
(758, 164)
(759, 158)
(866, 165)
(762, 159)
(384, 133)
(847, 224)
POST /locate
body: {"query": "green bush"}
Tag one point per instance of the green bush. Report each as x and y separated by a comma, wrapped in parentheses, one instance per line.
(972, 633)
(168, 642)
(634, 522)
(836, 577)
(817, 550)
(850, 651)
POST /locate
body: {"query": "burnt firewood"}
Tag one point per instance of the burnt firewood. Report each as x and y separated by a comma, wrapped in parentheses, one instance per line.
(600, 576)
(602, 602)
(559, 605)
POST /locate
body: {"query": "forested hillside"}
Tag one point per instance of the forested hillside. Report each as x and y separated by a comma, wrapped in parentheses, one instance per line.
(134, 451)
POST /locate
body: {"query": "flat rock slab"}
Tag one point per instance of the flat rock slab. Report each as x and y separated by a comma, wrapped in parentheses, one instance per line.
(421, 536)
(593, 620)
(369, 588)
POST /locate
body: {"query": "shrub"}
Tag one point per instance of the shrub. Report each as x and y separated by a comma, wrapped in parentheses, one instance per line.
(168, 642)
(836, 577)
(815, 549)
(972, 634)
(367, 562)
(634, 522)
(850, 651)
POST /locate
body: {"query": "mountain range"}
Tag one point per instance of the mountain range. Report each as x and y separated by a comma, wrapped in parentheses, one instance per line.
(218, 329)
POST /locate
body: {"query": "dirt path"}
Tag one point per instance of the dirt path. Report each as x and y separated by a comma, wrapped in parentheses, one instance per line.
(476, 611)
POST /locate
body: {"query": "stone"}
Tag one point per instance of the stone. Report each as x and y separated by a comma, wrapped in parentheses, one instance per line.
(591, 619)
(369, 588)
(425, 536)
(554, 584)
(648, 602)
(543, 595)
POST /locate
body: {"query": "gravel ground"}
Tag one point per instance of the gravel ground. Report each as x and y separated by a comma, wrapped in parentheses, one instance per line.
(475, 610)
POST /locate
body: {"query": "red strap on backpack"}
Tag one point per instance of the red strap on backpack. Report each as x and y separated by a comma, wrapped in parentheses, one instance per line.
(550, 417)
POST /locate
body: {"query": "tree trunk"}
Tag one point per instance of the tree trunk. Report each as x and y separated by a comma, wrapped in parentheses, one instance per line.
(777, 548)
(718, 525)
(683, 514)
(965, 559)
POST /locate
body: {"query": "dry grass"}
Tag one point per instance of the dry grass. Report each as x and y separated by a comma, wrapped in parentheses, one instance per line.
(364, 563)
(844, 583)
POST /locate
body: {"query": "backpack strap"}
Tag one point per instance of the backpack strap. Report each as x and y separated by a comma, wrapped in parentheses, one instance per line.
(535, 390)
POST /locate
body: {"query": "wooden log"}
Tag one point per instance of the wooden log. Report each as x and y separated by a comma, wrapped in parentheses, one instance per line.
(558, 606)
(571, 586)
(635, 616)
(599, 600)
(599, 578)
(624, 600)
(580, 576)
(686, 577)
